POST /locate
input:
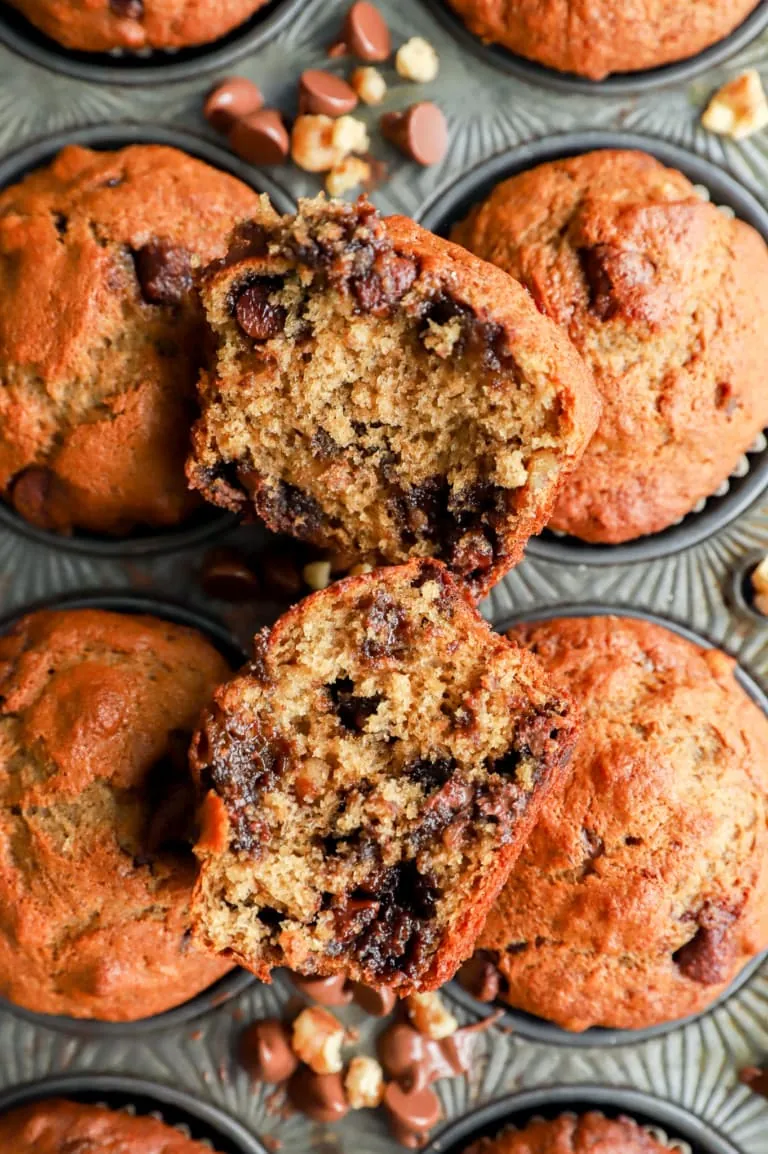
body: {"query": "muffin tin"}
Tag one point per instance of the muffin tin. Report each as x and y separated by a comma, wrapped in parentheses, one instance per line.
(690, 1066)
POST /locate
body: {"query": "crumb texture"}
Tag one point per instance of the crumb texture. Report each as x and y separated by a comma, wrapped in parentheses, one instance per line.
(58, 1127)
(643, 890)
(594, 38)
(380, 392)
(664, 296)
(97, 813)
(100, 333)
(591, 1133)
(370, 780)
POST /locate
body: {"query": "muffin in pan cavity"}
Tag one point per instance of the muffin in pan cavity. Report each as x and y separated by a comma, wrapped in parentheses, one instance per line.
(664, 295)
(642, 893)
(101, 334)
(99, 699)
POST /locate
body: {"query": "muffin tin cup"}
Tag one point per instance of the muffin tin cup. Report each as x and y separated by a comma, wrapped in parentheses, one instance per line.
(203, 1121)
(451, 204)
(209, 523)
(152, 66)
(530, 1027)
(677, 1124)
(618, 85)
(238, 980)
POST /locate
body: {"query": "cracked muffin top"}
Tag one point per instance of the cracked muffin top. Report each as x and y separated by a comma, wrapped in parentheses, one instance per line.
(644, 888)
(58, 1126)
(100, 341)
(591, 1133)
(665, 298)
(97, 813)
(106, 25)
(594, 38)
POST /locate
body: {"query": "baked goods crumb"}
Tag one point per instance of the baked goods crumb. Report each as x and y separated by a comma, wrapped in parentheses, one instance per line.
(739, 108)
(416, 60)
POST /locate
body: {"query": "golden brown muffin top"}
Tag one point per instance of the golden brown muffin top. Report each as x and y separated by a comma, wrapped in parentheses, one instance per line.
(570, 1134)
(58, 1126)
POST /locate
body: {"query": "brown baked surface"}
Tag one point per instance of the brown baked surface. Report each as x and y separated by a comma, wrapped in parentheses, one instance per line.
(665, 297)
(61, 1127)
(390, 395)
(644, 887)
(369, 780)
(103, 25)
(569, 1134)
(96, 813)
(594, 38)
(97, 381)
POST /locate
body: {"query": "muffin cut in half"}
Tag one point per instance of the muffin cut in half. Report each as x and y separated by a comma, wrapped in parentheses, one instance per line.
(380, 392)
(369, 781)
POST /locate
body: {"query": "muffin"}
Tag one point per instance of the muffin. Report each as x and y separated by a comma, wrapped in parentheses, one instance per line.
(57, 1126)
(587, 1134)
(131, 25)
(643, 890)
(369, 780)
(381, 393)
(101, 334)
(97, 813)
(604, 36)
(665, 298)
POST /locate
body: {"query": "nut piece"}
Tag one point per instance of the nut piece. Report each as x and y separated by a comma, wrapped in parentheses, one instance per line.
(759, 580)
(349, 174)
(360, 568)
(317, 1040)
(739, 108)
(417, 60)
(364, 1083)
(430, 1016)
(369, 85)
(312, 143)
(349, 135)
(317, 574)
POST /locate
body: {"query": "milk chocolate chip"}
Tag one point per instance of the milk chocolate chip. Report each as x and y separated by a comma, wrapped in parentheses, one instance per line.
(265, 1051)
(480, 977)
(256, 316)
(260, 137)
(333, 991)
(227, 576)
(421, 132)
(323, 94)
(411, 1114)
(164, 272)
(231, 100)
(320, 1096)
(378, 1001)
(366, 34)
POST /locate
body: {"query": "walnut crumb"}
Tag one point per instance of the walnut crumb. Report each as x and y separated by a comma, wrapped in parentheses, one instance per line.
(417, 60)
(317, 1040)
(430, 1016)
(364, 1083)
(739, 108)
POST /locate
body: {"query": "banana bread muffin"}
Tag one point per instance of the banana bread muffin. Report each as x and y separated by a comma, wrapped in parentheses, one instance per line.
(589, 1134)
(97, 813)
(369, 781)
(100, 333)
(379, 392)
(604, 36)
(665, 297)
(61, 1127)
(643, 890)
(105, 25)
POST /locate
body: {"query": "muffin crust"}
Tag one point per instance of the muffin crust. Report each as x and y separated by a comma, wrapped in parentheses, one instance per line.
(591, 1133)
(58, 1127)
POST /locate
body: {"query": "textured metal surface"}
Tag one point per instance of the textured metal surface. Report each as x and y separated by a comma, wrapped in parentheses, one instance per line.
(694, 1066)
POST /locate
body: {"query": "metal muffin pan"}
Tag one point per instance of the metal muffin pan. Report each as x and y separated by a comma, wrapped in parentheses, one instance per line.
(693, 1065)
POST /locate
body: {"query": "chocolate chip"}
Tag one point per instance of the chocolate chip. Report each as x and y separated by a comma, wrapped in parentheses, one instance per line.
(281, 575)
(756, 1077)
(323, 94)
(260, 137)
(421, 132)
(265, 1052)
(709, 956)
(34, 493)
(378, 1001)
(352, 710)
(617, 280)
(164, 272)
(320, 1096)
(430, 773)
(333, 991)
(480, 977)
(256, 316)
(231, 100)
(411, 1113)
(227, 576)
(366, 33)
(128, 9)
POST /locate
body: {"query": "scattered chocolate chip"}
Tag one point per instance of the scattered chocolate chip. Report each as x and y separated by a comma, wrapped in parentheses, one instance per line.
(281, 575)
(333, 991)
(264, 1050)
(480, 977)
(421, 132)
(231, 100)
(756, 1077)
(336, 50)
(227, 576)
(260, 137)
(128, 9)
(366, 33)
(378, 1001)
(411, 1114)
(323, 94)
(164, 272)
(320, 1096)
(259, 319)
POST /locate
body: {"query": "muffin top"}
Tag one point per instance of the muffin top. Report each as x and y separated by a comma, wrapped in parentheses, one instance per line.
(58, 1126)
(105, 25)
(96, 813)
(100, 339)
(664, 296)
(570, 1134)
(603, 36)
(644, 887)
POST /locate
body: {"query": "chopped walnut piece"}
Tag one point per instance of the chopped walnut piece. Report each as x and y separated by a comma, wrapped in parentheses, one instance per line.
(317, 1040)
(350, 173)
(430, 1016)
(739, 108)
(364, 1083)
(369, 85)
(417, 60)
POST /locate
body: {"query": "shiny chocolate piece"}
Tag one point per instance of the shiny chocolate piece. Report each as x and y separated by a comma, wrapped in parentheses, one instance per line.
(227, 576)
(230, 101)
(366, 33)
(378, 1001)
(333, 991)
(421, 132)
(264, 1050)
(480, 977)
(414, 1060)
(164, 272)
(260, 137)
(320, 1096)
(411, 1114)
(323, 94)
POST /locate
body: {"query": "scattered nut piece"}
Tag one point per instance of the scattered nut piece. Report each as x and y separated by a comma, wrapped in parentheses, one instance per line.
(358, 570)
(430, 1016)
(317, 1040)
(417, 60)
(364, 1083)
(759, 578)
(739, 108)
(369, 85)
(312, 145)
(349, 135)
(350, 173)
(317, 574)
